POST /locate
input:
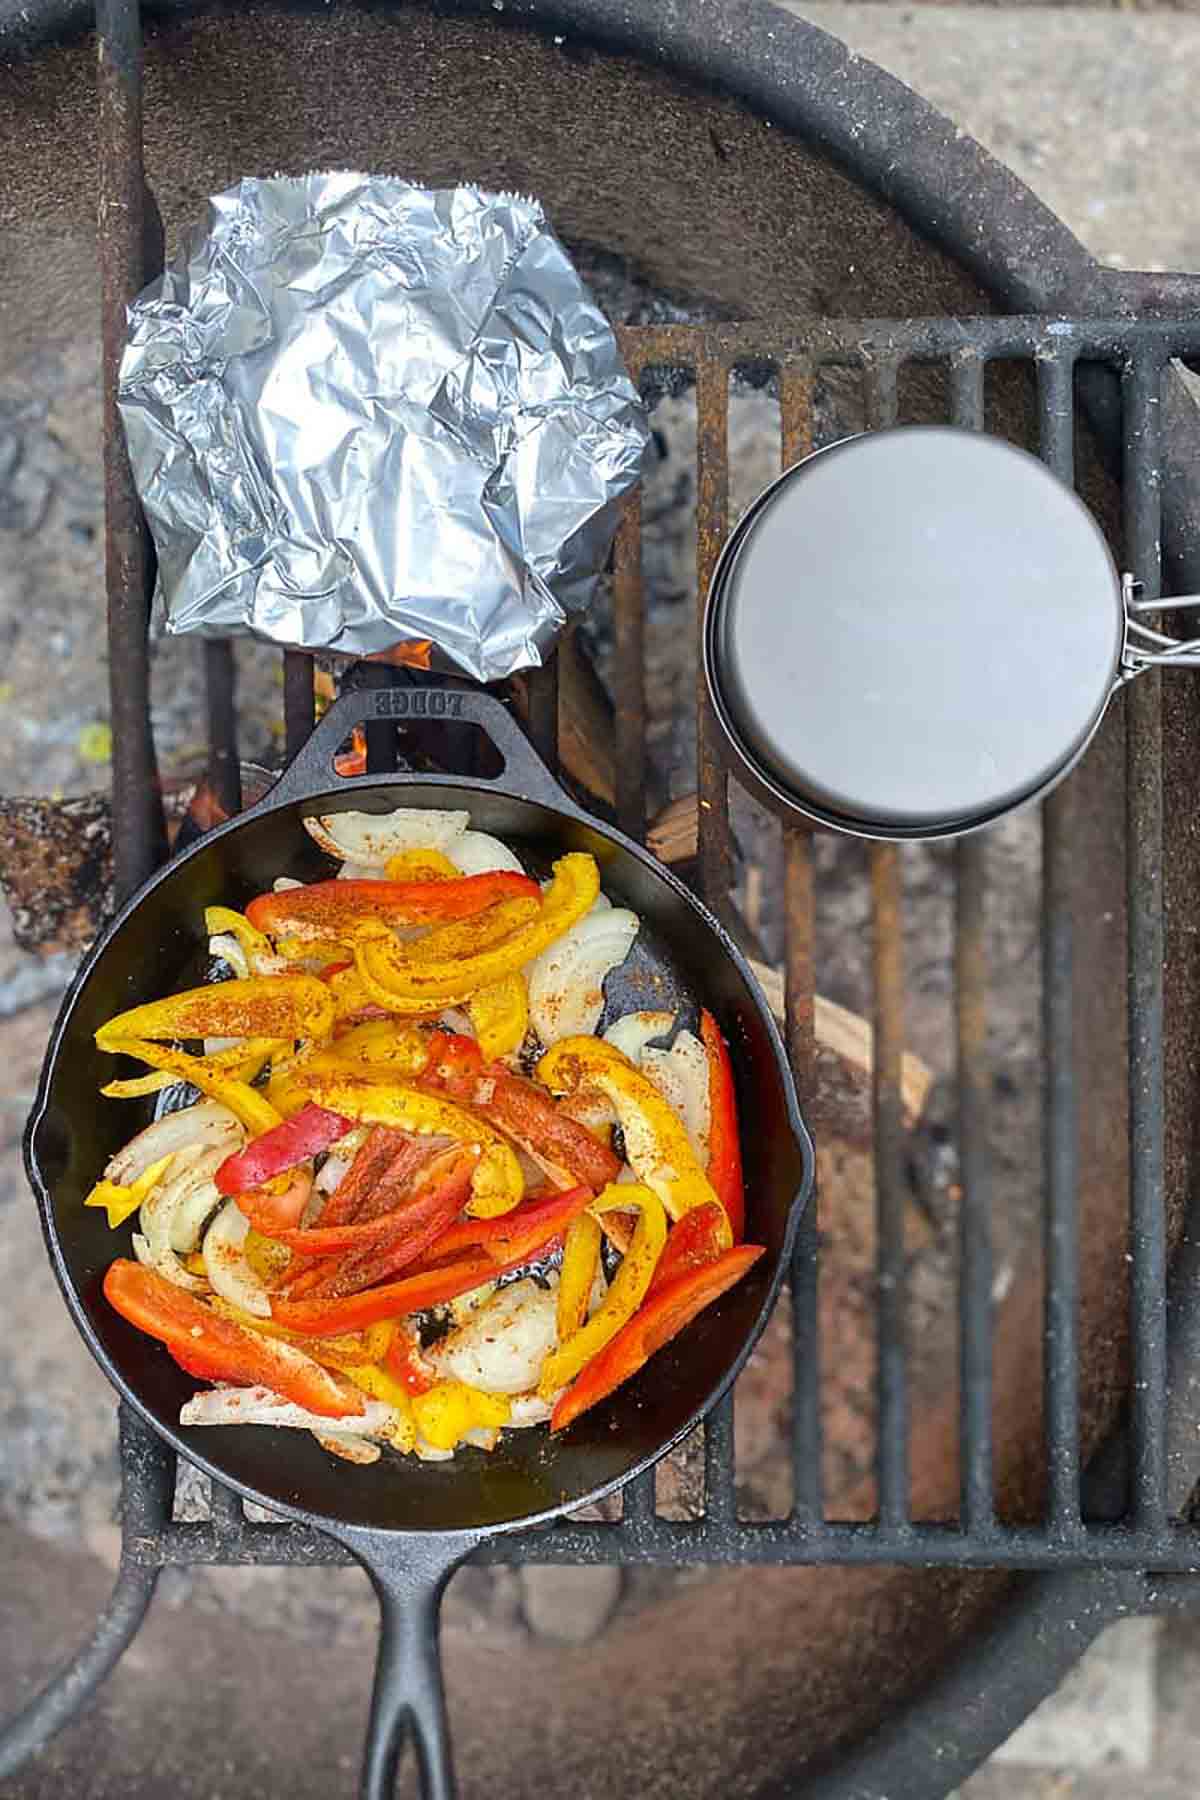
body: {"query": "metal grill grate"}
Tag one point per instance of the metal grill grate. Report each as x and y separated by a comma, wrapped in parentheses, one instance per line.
(1146, 1537)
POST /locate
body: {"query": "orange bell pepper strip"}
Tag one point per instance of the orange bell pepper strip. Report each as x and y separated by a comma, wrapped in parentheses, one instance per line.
(328, 909)
(299, 1138)
(656, 1141)
(724, 1146)
(626, 1294)
(420, 1289)
(399, 974)
(262, 1006)
(217, 1349)
(661, 1317)
(700, 1237)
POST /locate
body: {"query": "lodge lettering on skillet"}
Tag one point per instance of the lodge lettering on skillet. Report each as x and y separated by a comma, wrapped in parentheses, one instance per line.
(418, 703)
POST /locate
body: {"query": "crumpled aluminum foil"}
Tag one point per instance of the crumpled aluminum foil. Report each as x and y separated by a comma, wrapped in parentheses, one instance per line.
(361, 413)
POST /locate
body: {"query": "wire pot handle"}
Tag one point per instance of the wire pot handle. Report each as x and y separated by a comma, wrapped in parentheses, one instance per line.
(311, 771)
(1145, 648)
(408, 1700)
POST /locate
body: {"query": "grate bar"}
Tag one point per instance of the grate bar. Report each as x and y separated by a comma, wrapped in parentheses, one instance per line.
(629, 622)
(1144, 843)
(712, 513)
(637, 1501)
(887, 1110)
(299, 701)
(228, 1512)
(970, 986)
(139, 835)
(808, 1497)
(220, 688)
(1171, 1548)
(720, 1493)
(1060, 1232)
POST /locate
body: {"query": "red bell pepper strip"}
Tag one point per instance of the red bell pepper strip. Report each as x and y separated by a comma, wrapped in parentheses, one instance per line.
(304, 1135)
(325, 909)
(518, 1235)
(363, 1175)
(526, 1113)
(660, 1317)
(403, 1360)
(278, 1205)
(451, 1180)
(724, 1148)
(217, 1349)
(421, 1288)
(411, 1230)
(453, 1058)
(698, 1238)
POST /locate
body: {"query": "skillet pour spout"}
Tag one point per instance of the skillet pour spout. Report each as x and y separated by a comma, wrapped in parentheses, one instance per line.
(411, 1524)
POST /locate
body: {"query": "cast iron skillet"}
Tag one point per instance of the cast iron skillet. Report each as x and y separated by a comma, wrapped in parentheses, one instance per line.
(410, 1524)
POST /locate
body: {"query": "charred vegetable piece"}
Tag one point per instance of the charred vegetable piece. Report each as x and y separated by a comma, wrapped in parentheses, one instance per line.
(276, 1006)
(326, 909)
(724, 1146)
(298, 1139)
(216, 1349)
(395, 977)
(661, 1317)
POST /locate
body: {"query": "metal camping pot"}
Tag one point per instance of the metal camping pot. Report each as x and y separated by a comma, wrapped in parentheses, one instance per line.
(915, 631)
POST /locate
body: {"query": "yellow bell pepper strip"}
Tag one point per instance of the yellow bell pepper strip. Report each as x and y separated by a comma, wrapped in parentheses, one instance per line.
(467, 937)
(626, 1293)
(327, 909)
(243, 1062)
(420, 865)
(382, 1046)
(246, 1103)
(661, 1317)
(497, 1183)
(581, 1259)
(656, 1141)
(223, 920)
(354, 1350)
(353, 1000)
(120, 1202)
(500, 1015)
(445, 1414)
(392, 973)
(280, 1006)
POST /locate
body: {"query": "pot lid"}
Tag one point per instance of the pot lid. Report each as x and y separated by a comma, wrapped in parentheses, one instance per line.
(914, 630)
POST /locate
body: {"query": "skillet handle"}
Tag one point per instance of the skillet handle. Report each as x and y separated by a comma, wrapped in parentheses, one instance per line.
(311, 771)
(408, 1698)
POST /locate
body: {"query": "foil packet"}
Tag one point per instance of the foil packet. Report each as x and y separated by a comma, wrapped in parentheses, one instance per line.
(361, 413)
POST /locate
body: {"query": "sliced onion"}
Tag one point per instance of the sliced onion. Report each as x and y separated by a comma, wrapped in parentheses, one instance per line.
(358, 1450)
(502, 1348)
(207, 1125)
(195, 1202)
(478, 853)
(259, 1406)
(229, 1274)
(483, 1437)
(223, 944)
(424, 1451)
(635, 1030)
(352, 871)
(373, 838)
(332, 1171)
(529, 1409)
(681, 1076)
(283, 884)
(462, 1308)
(566, 982)
(454, 1019)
